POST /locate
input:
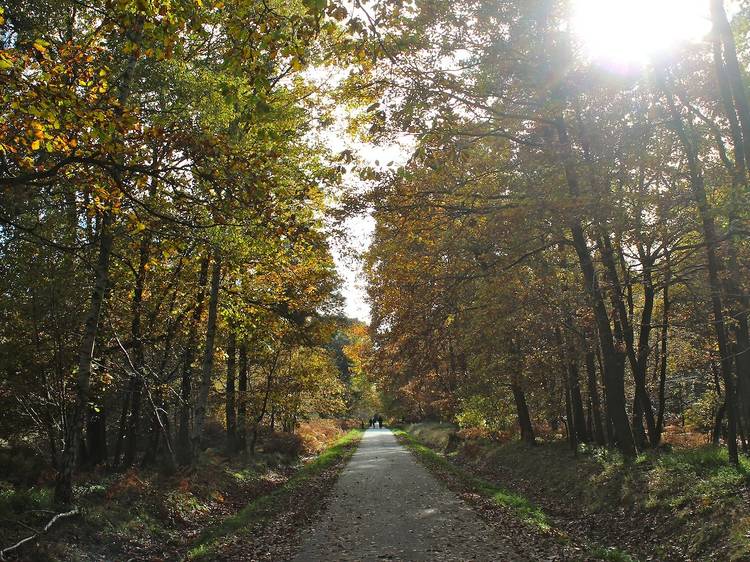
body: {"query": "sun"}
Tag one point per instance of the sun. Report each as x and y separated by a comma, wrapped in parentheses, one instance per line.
(632, 32)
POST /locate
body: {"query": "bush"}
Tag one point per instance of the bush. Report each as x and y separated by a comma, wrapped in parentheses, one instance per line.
(318, 434)
(16, 501)
(700, 415)
(287, 444)
(214, 434)
(22, 465)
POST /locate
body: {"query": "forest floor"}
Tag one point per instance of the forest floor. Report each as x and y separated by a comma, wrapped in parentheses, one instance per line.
(221, 508)
(467, 498)
(685, 504)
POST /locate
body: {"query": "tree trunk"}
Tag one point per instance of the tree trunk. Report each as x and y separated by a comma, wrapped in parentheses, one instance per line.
(64, 483)
(638, 358)
(718, 421)
(639, 431)
(139, 361)
(733, 71)
(714, 267)
(734, 99)
(184, 446)
(664, 348)
(160, 427)
(613, 358)
(121, 427)
(522, 410)
(96, 435)
(264, 405)
(242, 400)
(569, 425)
(596, 408)
(231, 416)
(576, 402)
(201, 403)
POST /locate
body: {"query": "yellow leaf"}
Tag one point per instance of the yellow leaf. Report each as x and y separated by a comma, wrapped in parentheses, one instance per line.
(36, 144)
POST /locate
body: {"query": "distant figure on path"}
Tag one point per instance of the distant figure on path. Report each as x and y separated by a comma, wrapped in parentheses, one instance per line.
(380, 421)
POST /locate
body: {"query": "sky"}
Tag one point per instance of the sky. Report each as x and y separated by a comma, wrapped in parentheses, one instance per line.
(360, 228)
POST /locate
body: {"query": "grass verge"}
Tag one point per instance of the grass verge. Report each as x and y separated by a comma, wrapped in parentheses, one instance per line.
(265, 507)
(521, 506)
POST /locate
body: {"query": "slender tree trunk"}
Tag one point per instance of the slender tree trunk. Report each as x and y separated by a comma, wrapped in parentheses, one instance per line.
(576, 402)
(184, 446)
(714, 267)
(613, 358)
(737, 108)
(638, 358)
(96, 435)
(160, 427)
(264, 405)
(522, 410)
(133, 421)
(230, 406)
(121, 427)
(639, 431)
(596, 409)
(741, 432)
(64, 484)
(154, 440)
(718, 421)
(733, 70)
(664, 348)
(569, 424)
(201, 403)
(139, 360)
(242, 400)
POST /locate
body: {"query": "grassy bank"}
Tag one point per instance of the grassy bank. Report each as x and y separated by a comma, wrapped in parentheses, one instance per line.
(684, 504)
(525, 510)
(266, 507)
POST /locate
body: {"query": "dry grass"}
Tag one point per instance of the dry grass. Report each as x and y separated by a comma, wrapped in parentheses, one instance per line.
(316, 435)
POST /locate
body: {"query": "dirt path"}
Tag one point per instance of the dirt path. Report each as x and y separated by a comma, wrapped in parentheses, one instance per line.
(385, 506)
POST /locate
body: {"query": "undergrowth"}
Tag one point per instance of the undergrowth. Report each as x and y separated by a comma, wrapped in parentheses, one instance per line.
(675, 504)
(155, 515)
(266, 506)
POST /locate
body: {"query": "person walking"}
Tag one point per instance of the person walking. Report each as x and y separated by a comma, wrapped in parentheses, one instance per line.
(380, 421)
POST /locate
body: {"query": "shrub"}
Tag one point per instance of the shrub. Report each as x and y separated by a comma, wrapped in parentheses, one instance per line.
(22, 465)
(287, 444)
(318, 434)
(700, 415)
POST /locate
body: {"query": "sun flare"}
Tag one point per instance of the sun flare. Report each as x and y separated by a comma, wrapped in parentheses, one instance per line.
(631, 32)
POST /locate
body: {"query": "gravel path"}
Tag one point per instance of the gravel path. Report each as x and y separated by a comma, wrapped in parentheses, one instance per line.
(385, 506)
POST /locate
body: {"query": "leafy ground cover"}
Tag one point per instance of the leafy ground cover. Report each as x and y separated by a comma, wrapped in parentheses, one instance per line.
(143, 516)
(681, 504)
(294, 501)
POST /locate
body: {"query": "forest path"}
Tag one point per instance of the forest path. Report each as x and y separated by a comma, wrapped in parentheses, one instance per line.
(386, 506)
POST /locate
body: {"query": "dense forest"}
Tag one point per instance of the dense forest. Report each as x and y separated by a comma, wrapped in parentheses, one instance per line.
(564, 254)
(567, 243)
